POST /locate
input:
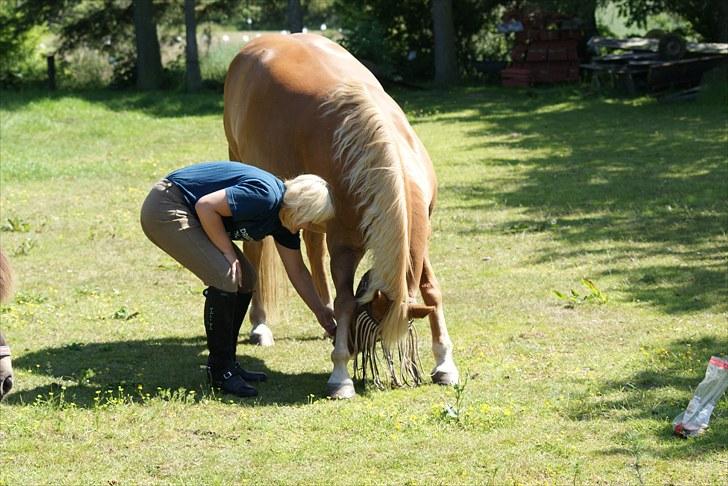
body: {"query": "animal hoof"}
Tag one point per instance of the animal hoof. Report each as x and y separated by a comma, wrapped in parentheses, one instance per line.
(341, 391)
(445, 378)
(5, 386)
(262, 335)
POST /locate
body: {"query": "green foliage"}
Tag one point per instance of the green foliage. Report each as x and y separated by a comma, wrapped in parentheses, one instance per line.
(714, 88)
(25, 247)
(593, 295)
(16, 225)
(21, 59)
(124, 314)
(456, 411)
(709, 18)
(397, 36)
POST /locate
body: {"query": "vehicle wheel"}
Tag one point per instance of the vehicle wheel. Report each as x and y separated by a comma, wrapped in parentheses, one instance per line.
(672, 47)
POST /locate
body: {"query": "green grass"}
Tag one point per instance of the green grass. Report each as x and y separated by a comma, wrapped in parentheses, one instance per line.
(538, 191)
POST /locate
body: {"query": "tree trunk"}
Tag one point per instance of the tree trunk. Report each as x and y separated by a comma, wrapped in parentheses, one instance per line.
(721, 19)
(446, 67)
(149, 59)
(295, 16)
(587, 13)
(192, 61)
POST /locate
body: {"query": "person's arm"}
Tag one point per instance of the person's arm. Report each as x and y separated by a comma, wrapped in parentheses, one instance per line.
(300, 277)
(210, 210)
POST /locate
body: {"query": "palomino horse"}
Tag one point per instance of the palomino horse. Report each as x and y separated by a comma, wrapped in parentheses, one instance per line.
(6, 290)
(302, 104)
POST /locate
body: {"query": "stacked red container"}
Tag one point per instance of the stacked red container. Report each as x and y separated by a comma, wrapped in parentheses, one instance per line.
(545, 51)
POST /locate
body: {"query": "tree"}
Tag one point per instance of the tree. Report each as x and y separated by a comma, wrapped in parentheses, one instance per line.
(399, 39)
(192, 61)
(295, 16)
(709, 18)
(149, 59)
(446, 66)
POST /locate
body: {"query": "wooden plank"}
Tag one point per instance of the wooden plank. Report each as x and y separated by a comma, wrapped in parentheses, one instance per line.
(644, 44)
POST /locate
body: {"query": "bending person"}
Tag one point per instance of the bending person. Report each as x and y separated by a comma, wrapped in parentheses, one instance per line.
(196, 212)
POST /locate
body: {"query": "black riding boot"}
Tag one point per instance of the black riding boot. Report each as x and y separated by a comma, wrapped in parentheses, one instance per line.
(241, 308)
(220, 326)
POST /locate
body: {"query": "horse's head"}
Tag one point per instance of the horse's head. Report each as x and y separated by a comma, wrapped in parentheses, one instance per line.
(366, 333)
(378, 307)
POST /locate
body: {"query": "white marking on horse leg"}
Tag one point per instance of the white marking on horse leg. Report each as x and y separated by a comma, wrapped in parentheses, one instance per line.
(261, 335)
(340, 384)
(445, 372)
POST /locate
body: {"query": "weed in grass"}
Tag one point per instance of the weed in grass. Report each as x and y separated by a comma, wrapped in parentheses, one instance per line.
(53, 400)
(594, 295)
(86, 376)
(87, 291)
(101, 231)
(124, 314)
(25, 247)
(24, 298)
(15, 225)
(455, 412)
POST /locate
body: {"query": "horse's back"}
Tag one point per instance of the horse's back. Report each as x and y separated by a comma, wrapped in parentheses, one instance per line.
(301, 63)
(274, 90)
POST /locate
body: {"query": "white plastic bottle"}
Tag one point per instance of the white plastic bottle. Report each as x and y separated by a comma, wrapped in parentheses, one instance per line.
(694, 420)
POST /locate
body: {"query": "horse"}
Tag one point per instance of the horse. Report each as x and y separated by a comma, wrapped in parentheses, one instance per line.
(301, 103)
(6, 291)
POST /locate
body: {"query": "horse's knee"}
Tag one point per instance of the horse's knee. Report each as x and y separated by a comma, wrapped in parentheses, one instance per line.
(344, 306)
(431, 294)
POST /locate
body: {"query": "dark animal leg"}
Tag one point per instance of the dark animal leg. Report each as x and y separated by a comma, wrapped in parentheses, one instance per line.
(6, 368)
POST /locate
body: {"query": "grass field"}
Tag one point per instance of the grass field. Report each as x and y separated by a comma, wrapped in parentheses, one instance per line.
(538, 190)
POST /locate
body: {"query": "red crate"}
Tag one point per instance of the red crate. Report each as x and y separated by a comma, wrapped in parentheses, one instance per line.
(537, 53)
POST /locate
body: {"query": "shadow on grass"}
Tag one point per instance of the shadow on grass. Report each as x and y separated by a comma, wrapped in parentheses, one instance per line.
(129, 369)
(660, 392)
(650, 179)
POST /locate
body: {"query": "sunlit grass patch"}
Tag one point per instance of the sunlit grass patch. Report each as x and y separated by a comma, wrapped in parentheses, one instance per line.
(538, 191)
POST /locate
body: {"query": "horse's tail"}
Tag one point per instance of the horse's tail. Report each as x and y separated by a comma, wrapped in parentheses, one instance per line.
(7, 280)
(366, 147)
(269, 280)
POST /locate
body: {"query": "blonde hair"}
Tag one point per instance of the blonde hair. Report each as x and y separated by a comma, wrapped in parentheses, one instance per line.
(307, 200)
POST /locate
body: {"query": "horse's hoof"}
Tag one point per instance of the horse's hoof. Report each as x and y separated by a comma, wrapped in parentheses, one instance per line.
(446, 378)
(340, 391)
(261, 335)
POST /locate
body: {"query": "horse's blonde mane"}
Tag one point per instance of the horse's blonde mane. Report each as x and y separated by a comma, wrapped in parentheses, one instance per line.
(365, 146)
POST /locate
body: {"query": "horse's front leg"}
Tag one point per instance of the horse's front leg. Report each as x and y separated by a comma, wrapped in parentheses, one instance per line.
(343, 266)
(445, 371)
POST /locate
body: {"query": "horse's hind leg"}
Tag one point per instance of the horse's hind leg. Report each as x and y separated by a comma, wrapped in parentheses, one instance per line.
(445, 371)
(263, 296)
(316, 250)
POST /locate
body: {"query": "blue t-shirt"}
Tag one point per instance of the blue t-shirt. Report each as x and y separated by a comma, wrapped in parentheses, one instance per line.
(254, 196)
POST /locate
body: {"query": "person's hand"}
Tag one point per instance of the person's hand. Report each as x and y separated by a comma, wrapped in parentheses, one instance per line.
(327, 320)
(236, 268)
